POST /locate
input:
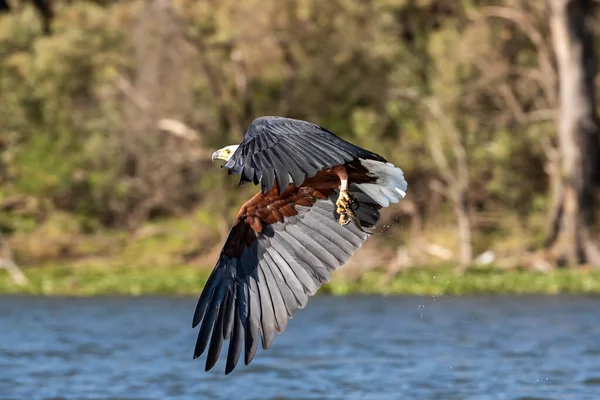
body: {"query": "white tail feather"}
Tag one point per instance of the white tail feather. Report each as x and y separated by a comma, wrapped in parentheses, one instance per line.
(390, 185)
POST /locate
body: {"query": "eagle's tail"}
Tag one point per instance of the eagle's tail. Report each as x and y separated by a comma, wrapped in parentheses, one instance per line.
(390, 185)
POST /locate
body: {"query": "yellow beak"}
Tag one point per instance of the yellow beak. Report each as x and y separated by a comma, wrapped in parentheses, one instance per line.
(225, 153)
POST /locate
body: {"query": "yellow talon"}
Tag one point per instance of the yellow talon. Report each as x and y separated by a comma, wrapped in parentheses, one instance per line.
(344, 208)
(343, 220)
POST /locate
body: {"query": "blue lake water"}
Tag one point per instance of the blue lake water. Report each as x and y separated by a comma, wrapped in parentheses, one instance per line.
(481, 347)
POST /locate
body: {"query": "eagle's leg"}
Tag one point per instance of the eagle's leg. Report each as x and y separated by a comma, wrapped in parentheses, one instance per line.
(345, 201)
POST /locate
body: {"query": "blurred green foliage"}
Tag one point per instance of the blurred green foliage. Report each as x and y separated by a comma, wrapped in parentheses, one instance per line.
(85, 164)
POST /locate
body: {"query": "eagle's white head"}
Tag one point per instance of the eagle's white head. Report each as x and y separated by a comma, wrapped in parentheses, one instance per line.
(225, 153)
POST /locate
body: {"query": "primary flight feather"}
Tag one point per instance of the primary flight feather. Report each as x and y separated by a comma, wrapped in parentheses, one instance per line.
(319, 197)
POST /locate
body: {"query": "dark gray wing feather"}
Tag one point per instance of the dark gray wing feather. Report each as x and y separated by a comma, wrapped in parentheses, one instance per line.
(270, 144)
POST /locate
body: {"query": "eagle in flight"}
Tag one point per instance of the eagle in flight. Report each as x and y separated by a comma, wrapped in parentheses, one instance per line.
(319, 196)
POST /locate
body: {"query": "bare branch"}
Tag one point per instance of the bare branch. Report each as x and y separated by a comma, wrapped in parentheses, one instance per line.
(523, 20)
(179, 129)
(15, 272)
(129, 90)
(454, 136)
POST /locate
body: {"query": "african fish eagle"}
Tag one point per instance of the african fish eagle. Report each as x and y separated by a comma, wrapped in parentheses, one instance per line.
(319, 197)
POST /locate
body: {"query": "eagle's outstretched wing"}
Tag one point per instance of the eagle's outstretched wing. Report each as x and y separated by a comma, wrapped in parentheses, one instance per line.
(262, 278)
(290, 150)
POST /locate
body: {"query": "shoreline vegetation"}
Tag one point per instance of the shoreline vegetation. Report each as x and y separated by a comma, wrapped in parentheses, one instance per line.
(93, 280)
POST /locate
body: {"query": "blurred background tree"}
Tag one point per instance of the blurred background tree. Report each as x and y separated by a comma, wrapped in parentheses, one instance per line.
(109, 111)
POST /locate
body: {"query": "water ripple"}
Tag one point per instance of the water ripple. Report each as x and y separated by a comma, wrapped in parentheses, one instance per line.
(478, 347)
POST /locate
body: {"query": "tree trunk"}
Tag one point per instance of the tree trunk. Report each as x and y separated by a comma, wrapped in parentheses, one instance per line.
(577, 130)
(7, 263)
(461, 211)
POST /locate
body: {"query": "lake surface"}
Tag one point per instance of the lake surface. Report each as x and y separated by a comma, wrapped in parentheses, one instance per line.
(482, 347)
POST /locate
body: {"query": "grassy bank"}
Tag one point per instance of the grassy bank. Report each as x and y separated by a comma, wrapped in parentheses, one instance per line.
(97, 280)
